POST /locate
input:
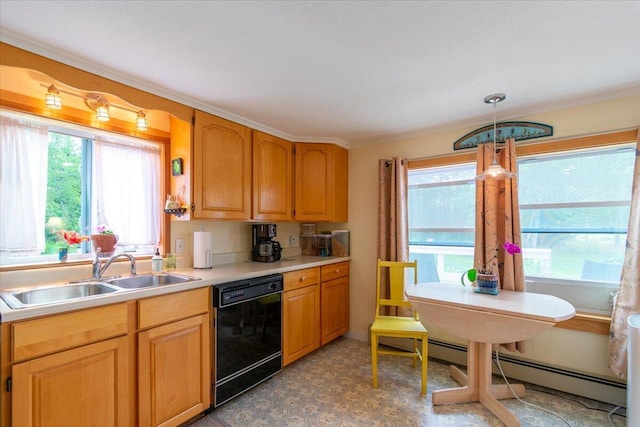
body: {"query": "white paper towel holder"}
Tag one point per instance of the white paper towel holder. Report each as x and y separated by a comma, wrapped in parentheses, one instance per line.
(208, 256)
(202, 250)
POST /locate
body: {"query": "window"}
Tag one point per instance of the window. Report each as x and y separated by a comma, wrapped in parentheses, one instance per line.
(62, 177)
(574, 211)
(441, 205)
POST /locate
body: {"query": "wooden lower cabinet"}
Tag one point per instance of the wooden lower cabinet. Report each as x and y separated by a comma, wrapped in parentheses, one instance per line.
(81, 368)
(301, 314)
(85, 386)
(301, 333)
(334, 297)
(335, 308)
(315, 306)
(174, 372)
(174, 375)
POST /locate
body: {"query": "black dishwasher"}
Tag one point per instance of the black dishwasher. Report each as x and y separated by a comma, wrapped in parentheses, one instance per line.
(248, 334)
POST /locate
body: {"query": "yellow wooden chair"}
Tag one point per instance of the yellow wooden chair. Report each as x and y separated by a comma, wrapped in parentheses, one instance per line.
(398, 326)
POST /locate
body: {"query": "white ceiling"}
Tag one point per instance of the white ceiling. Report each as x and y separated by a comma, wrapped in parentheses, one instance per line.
(352, 72)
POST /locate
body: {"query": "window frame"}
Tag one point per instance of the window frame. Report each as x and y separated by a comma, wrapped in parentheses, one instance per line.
(80, 129)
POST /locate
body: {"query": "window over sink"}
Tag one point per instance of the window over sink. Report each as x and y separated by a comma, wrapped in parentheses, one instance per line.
(57, 176)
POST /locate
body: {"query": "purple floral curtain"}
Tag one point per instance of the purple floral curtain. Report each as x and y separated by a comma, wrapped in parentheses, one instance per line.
(628, 300)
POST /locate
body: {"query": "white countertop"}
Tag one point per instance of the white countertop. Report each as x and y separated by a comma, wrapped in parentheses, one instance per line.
(216, 275)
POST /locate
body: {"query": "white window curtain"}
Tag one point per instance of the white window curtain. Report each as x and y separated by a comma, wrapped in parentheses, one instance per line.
(23, 186)
(125, 186)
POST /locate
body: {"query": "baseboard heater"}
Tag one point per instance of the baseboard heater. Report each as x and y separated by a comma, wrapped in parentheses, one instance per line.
(562, 379)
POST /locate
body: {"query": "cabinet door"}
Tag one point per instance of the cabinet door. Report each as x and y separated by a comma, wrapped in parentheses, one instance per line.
(174, 377)
(221, 168)
(321, 183)
(272, 177)
(314, 169)
(86, 386)
(335, 308)
(301, 323)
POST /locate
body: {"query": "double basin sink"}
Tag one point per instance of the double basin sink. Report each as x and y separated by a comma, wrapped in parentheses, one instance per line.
(31, 297)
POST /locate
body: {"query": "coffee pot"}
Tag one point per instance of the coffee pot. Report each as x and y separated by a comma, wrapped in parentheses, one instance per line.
(264, 248)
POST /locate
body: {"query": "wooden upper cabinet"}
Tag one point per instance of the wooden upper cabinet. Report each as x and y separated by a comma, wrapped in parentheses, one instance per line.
(221, 168)
(321, 183)
(272, 177)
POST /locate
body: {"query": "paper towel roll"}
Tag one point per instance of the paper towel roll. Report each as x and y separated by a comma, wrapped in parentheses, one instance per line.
(202, 249)
(633, 370)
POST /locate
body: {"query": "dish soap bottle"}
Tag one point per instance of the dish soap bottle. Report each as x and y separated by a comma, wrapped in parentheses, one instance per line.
(156, 262)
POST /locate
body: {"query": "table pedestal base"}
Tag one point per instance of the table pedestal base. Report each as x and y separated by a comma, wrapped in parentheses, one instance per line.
(477, 386)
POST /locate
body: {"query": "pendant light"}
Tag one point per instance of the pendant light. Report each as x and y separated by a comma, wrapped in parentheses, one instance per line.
(495, 171)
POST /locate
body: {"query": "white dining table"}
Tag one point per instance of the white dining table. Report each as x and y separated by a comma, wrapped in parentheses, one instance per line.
(484, 320)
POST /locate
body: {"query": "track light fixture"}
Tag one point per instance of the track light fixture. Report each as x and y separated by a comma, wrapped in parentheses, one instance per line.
(96, 102)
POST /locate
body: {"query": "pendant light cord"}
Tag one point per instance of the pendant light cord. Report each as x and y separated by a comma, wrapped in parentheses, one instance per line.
(495, 135)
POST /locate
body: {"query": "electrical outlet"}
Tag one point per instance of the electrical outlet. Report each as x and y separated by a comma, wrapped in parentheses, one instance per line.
(180, 246)
(293, 241)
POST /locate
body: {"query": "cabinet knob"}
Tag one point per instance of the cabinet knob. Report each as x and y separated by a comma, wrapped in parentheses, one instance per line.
(302, 279)
(337, 270)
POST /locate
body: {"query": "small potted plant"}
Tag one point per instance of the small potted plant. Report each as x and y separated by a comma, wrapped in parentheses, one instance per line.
(104, 239)
(71, 238)
(488, 282)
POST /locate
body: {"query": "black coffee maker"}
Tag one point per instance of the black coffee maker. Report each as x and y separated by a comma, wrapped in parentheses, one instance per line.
(264, 248)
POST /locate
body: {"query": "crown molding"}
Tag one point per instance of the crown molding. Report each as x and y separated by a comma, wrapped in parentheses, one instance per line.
(109, 73)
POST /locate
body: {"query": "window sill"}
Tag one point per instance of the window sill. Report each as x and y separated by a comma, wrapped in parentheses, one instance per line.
(58, 264)
(585, 322)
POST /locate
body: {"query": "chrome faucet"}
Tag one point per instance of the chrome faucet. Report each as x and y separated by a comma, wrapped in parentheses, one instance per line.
(97, 267)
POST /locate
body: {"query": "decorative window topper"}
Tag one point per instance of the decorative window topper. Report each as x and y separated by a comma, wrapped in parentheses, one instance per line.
(520, 131)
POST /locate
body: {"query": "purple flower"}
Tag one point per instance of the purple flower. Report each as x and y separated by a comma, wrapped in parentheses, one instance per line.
(508, 247)
(511, 249)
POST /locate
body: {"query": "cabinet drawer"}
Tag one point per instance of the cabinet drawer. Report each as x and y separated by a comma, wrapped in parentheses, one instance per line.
(301, 278)
(47, 335)
(168, 308)
(333, 271)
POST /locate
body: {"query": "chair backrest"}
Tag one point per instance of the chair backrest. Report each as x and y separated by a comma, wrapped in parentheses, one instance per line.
(397, 275)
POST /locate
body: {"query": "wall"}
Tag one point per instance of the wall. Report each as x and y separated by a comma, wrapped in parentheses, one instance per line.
(555, 347)
(231, 240)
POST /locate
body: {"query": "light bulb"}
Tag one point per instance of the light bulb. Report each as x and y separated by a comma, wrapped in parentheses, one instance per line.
(102, 113)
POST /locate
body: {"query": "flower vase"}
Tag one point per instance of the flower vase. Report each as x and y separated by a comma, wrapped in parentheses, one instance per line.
(487, 284)
(63, 253)
(106, 243)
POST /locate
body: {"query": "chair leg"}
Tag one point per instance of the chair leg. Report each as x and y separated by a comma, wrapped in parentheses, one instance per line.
(415, 353)
(374, 359)
(425, 351)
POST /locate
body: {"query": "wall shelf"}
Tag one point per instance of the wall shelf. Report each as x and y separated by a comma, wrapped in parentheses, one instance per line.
(177, 212)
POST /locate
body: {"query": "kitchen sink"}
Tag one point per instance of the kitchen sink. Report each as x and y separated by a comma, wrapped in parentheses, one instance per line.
(146, 280)
(18, 298)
